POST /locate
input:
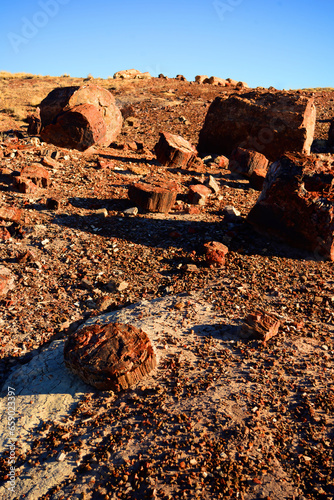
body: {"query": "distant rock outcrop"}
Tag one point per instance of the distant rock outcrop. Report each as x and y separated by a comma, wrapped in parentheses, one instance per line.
(131, 74)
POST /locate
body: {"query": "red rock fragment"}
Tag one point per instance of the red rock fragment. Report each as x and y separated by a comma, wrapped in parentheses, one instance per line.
(154, 195)
(24, 185)
(110, 357)
(4, 234)
(47, 161)
(10, 214)
(271, 123)
(215, 253)
(198, 194)
(297, 204)
(260, 325)
(6, 280)
(244, 162)
(37, 173)
(256, 180)
(174, 151)
(35, 123)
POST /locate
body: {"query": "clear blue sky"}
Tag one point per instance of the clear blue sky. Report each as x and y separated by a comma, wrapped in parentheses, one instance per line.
(283, 43)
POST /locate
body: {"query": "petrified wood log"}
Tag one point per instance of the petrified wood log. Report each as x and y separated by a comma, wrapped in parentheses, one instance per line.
(78, 128)
(244, 162)
(61, 100)
(154, 195)
(174, 151)
(110, 357)
(297, 203)
(260, 325)
(271, 123)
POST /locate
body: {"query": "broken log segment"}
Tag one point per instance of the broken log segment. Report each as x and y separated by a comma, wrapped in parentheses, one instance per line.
(154, 195)
(175, 151)
(112, 357)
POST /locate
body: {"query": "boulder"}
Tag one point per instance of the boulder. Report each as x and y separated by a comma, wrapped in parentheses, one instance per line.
(38, 174)
(154, 195)
(111, 357)
(78, 128)
(106, 120)
(257, 178)
(174, 151)
(131, 74)
(297, 204)
(215, 80)
(271, 123)
(34, 123)
(242, 85)
(201, 78)
(11, 214)
(244, 162)
(181, 78)
(232, 82)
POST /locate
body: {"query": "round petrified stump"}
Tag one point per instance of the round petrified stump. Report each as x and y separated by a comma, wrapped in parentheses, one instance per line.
(110, 357)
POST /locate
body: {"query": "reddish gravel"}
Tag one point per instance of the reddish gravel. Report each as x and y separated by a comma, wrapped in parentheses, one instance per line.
(64, 260)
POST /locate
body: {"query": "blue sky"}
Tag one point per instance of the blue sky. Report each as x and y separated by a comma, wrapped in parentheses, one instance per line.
(286, 44)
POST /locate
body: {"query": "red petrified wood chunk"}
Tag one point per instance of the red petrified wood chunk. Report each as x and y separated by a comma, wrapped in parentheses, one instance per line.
(215, 253)
(198, 194)
(260, 325)
(6, 280)
(271, 123)
(245, 161)
(10, 214)
(154, 195)
(297, 203)
(37, 174)
(174, 151)
(110, 357)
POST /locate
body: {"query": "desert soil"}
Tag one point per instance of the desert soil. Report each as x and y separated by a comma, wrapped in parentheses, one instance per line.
(221, 416)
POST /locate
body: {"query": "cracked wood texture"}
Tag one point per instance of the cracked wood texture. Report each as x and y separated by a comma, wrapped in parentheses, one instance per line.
(110, 357)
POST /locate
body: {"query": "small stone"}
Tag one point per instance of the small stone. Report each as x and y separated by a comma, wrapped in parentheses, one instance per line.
(102, 212)
(53, 203)
(231, 213)
(131, 211)
(6, 281)
(198, 194)
(215, 253)
(61, 456)
(47, 161)
(115, 286)
(213, 184)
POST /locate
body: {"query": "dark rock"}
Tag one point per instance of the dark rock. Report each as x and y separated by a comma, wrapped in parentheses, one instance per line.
(110, 357)
(297, 203)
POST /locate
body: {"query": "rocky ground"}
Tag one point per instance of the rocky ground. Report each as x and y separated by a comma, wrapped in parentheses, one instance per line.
(88, 258)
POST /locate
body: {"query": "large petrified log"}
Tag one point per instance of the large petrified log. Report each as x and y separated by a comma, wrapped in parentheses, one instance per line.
(297, 203)
(271, 123)
(174, 151)
(89, 97)
(112, 357)
(78, 128)
(154, 195)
